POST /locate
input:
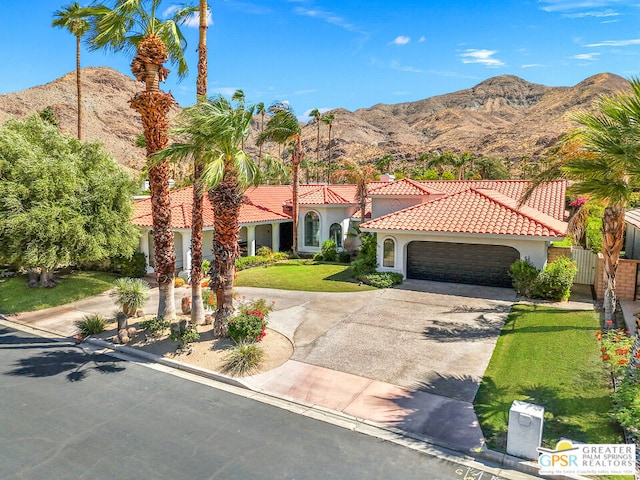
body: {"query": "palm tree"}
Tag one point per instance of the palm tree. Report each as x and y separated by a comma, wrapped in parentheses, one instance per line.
(602, 157)
(261, 111)
(214, 131)
(284, 129)
(315, 113)
(133, 26)
(361, 175)
(197, 307)
(70, 17)
(328, 119)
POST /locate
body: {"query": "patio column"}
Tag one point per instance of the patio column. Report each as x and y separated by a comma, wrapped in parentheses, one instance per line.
(186, 250)
(251, 240)
(144, 249)
(275, 237)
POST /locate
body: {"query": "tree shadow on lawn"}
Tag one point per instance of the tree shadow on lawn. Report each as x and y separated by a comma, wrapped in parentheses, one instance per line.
(76, 363)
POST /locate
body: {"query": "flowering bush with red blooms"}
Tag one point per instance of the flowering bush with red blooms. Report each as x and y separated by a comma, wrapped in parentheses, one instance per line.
(578, 201)
(250, 324)
(615, 346)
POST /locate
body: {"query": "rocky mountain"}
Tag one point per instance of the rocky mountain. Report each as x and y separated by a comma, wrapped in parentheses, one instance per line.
(503, 116)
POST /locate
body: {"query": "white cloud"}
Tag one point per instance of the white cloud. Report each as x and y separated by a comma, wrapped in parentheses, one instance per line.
(192, 20)
(616, 43)
(401, 40)
(482, 56)
(565, 5)
(327, 16)
(595, 14)
(532, 65)
(228, 91)
(422, 39)
(586, 56)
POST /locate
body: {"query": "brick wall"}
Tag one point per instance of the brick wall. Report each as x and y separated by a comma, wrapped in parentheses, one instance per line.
(625, 278)
(553, 253)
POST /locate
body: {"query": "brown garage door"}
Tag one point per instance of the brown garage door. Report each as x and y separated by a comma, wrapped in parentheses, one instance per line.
(461, 263)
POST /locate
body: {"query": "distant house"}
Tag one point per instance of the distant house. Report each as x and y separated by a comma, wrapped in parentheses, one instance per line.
(456, 231)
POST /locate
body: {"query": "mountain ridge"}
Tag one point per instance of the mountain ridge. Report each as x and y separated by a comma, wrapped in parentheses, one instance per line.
(504, 116)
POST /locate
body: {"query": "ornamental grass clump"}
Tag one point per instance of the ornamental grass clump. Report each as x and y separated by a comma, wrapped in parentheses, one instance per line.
(243, 358)
(91, 325)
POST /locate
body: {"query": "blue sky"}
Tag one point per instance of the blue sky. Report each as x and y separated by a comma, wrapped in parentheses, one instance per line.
(354, 54)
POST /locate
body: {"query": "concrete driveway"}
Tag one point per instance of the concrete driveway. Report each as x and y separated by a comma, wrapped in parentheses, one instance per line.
(427, 336)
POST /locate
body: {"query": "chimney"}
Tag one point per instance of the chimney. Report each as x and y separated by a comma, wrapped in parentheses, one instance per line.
(387, 177)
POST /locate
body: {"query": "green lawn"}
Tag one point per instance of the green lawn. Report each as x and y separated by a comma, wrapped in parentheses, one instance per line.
(16, 297)
(548, 357)
(302, 275)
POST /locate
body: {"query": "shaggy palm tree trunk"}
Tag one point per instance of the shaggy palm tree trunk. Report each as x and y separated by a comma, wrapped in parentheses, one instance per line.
(296, 159)
(197, 307)
(226, 199)
(613, 228)
(153, 105)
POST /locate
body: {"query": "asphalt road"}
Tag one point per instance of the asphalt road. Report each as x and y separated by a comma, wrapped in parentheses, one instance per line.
(67, 414)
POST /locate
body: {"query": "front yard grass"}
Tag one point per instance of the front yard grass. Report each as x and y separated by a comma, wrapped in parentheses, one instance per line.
(16, 297)
(548, 357)
(303, 275)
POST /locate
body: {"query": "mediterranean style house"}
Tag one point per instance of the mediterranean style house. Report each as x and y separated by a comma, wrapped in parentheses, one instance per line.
(466, 231)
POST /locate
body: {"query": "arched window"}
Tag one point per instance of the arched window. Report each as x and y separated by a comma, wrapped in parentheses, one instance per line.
(335, 234)
(389, 253)
(311, 230)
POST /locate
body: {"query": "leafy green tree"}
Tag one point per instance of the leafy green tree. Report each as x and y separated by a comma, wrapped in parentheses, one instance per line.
(62, 201)
(488, 168)
(133, 26)
(214, 132)
(71, 18)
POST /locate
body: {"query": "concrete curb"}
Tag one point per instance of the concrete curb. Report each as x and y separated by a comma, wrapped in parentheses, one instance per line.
(421, 443)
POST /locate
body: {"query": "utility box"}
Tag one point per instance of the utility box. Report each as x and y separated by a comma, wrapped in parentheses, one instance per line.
(524, 433)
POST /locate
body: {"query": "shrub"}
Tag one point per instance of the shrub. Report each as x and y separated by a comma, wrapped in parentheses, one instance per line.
(243, 358)
(278, 256)
(366, 261)
(130, 293)
(329, 250)
(185, 335)
(556, 279)
(344, 256)
(248, 262)
(383, 279)
(155, 326)
(179, 282)
(91, 325)
(318, 257)
(524, 274)
(209, 299)
(133, 267)
(626, 405)
(206, 266)
(248, 326)
(593, 233)
(264, 252)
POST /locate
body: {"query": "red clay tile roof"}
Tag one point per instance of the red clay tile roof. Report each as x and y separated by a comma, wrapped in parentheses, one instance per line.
(404, 187)
(250, 212)
(477, 211)
(326, 195)
(549, 197)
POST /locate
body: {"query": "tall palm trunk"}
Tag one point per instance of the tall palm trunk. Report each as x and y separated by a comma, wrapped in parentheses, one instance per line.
(153, 105)
(78, 87)
(296, 159)
(318, 150)
(613, 228)
(197, 307)
(329, 164)
(226, 199)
